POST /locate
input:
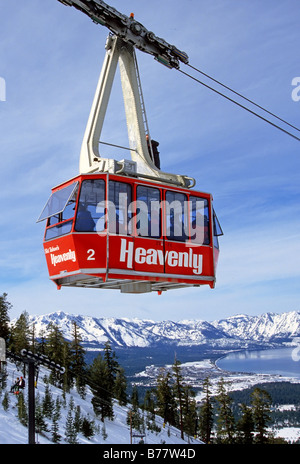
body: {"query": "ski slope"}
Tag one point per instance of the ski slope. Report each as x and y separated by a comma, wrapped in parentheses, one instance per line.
(117, 430)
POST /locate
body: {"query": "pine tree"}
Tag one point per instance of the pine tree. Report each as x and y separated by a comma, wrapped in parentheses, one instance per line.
(5, 307)
(178, 391)
(58, 405)
(40, 423)
(22, 409)
(206, 415)
(112, 365)
(71, 403)
(134, 417)
(225, 420)
(55, 343)
(77, 361)
(100, 385)
(56, 437)
(66, 380)
(149, 407)
(261, 403)
(189, 411)
(41, 343)
(87, 427)
(48, 403)
(70, 430)
(77, 419)
(32, 339)
(135, 397)
(57, 349)
(120, 387)
(245, 425)
(149, 401)
(166, 406)
(5, 401)
(102, 380)
(20, 336)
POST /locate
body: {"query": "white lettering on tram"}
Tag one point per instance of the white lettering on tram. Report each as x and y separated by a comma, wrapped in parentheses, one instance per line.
(68, 256)
(150, 256)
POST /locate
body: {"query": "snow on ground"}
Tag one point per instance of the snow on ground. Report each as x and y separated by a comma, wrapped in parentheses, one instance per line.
(117, 431)
(12, 432)
(196, 372)
(291, 434)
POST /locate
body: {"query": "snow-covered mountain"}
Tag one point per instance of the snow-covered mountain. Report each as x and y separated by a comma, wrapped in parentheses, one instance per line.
(268, 329)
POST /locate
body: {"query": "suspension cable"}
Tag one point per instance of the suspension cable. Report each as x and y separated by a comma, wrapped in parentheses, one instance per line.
(242, 96)
(242, 106)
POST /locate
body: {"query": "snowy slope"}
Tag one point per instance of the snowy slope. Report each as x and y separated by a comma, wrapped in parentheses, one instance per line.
(268, 328)
(12, 432)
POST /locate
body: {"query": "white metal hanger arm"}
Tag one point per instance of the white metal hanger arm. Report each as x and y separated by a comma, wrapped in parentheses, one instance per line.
(118, 51)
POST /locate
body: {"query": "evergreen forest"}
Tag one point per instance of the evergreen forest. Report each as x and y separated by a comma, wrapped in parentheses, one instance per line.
(244, 417)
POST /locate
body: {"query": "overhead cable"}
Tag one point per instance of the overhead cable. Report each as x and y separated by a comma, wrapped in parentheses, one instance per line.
(243, 106)
(245, 98)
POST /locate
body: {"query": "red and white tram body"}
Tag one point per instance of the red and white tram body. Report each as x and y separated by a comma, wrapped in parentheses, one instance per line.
(114, 231)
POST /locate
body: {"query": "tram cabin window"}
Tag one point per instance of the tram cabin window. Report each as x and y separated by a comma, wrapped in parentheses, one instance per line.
(91, 206)
(177, 221)
(119, 214)
(59, 211)
(148, 211)
(199, 220)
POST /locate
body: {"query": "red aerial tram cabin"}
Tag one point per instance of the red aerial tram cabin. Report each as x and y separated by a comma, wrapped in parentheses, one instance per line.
(113, 231)
(126, 224)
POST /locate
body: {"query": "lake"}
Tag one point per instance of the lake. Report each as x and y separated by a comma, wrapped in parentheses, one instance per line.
(282, 361)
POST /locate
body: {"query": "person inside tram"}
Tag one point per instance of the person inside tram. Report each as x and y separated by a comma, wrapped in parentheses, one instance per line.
(84, 221)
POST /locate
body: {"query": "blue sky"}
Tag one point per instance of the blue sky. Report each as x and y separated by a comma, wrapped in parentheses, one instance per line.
(50, 58)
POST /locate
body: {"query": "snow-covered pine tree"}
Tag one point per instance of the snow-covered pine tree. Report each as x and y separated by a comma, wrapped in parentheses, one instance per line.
(70, 429)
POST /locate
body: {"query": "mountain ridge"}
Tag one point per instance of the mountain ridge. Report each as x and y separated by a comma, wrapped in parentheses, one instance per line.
(241, 330)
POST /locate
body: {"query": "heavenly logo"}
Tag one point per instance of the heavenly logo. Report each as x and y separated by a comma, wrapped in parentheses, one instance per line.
(68, 256)
(150, 256)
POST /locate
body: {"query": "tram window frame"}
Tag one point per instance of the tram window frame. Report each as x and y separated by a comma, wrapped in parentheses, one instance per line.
(61, 223)
(217, 230)
(181, 235)
(119, 213)
(148, 228)
(58, 202)
(91, 206)
(59, 229)
(202, 235)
